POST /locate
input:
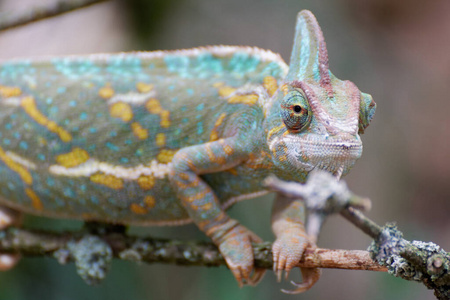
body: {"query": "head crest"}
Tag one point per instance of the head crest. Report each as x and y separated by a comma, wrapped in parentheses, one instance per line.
(309, 57)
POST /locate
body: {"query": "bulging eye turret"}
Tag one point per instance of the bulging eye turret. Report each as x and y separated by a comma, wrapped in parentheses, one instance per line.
(295, 111)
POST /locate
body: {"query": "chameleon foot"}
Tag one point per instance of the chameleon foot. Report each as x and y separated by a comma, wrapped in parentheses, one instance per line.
(236, 247)
(288, 250)
(9, 217)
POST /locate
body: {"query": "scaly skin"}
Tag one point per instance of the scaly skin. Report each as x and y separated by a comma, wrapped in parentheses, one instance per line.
(172, 137)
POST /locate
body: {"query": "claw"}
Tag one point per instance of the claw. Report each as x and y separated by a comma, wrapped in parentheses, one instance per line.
(256, 277)
(238, 275)
(275, 262)
(279, 274)
(310, 276)
(286, 273)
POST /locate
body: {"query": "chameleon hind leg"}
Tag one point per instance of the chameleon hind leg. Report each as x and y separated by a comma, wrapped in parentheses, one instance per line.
(233, 240)
(9, 217)
(288, 216)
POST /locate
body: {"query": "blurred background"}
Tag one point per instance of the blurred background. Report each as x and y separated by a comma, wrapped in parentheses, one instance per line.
(398, 51)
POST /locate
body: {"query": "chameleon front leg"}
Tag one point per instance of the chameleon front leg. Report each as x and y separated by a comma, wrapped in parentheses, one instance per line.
(288, 217)
(233, 239)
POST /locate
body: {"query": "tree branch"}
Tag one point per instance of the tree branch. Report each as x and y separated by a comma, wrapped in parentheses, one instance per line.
(66, 246)
(8, 20)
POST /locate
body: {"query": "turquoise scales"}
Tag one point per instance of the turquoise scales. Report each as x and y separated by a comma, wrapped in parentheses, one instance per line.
(168, 137)
(68, 92)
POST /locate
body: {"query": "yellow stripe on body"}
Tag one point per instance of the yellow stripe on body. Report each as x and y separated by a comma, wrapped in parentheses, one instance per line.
(250, 99)
(29, 106)
(14, 166)
(9, 91)
(275, 130)
(35, 201)
(214, 136)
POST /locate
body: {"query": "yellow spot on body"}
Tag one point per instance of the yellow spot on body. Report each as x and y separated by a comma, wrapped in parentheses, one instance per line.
(207, 206)
(165, 119)
(226, 91)
(160, 140)
(210, 153)
(35, 201)
(214, 136)
(146, 182)
(140, 132)
(153, 106)
(110, 181)
(106, 92)
(228, 149)
(270, 84)
(19, 169)
(9, 91)
(214, 133)
(295, 240)
(189, 184)
(122, 111)
(149, 201)
(144, 87)
(72, 159)
(197, 196)
(250, 99)
(165, 156)
(137, 209)
(261, 161)
(184, 176)
(285, 89)
(29, 106)
(42, 141)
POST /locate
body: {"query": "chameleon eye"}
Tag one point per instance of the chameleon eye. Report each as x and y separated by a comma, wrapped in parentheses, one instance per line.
(366, 112)
(295, 111)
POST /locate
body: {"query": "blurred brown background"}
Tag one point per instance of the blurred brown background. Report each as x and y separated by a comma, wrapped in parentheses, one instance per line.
(398, 51)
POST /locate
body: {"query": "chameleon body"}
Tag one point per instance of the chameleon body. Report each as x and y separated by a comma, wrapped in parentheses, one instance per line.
(178, 136)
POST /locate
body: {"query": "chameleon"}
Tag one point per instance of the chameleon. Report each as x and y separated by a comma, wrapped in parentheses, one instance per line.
(173, 137)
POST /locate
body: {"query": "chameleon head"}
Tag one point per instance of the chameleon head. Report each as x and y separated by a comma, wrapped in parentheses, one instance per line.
(315, 119)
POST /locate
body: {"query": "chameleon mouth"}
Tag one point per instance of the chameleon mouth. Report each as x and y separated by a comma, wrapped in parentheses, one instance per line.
(336, 158)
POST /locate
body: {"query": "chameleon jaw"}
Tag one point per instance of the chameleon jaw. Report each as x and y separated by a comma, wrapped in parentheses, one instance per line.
(306, 154)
